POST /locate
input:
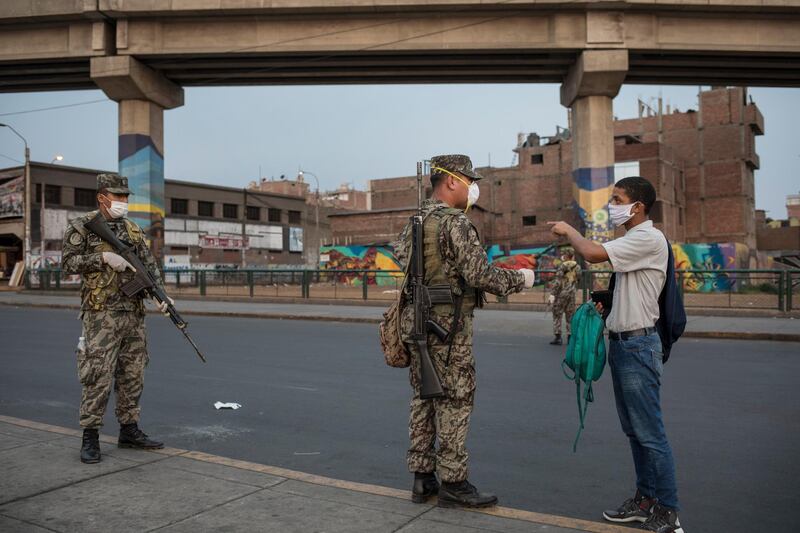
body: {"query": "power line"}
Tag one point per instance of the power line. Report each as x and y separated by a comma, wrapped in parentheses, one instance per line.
(363, 49)
(261, 47)
(53, 107)
(12, 159)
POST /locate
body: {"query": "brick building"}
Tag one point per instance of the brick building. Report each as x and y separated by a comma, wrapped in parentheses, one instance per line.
(701, 163)
(203, 227)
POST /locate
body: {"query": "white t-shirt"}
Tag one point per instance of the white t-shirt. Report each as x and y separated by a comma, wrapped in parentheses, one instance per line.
(640, 260)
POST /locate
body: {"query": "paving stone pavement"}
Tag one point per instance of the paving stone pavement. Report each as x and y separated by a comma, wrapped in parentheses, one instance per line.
(45, 487)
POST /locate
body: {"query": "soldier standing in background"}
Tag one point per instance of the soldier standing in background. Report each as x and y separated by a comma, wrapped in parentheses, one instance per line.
(454, 256)
(113, 347)
(562, 293)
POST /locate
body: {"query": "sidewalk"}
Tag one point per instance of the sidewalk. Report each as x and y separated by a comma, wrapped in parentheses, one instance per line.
(45, 487)
(531, 322)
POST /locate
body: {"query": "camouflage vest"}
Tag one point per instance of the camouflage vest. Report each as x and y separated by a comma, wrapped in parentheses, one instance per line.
(101, 290)
(435, 271)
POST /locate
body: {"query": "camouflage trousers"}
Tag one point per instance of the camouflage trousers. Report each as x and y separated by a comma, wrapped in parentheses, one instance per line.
(115, 354)
(563, 304)
(443, 421)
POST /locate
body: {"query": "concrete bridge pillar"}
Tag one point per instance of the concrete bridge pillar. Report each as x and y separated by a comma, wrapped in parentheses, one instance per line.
(588, 90)
(142, 94)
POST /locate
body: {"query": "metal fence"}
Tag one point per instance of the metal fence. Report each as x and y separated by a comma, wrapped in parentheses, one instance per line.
(737, 289)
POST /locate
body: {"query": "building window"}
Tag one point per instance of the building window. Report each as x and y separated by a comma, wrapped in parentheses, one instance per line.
(52, 194)
(529, 220)
(294, 217)
(179, 249)
(230, 211)
(273, 215)
(253, 212)
(180, 206)
(85, 198)
(537, 159)
(205, 209)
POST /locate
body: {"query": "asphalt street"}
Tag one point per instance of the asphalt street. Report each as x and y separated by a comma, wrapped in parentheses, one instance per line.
(317, 397)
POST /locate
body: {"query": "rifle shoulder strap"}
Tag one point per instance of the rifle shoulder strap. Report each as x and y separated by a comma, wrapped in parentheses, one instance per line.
(78, 223)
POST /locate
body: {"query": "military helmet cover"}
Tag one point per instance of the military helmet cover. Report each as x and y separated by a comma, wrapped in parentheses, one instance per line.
(455, 163)
(113, 183)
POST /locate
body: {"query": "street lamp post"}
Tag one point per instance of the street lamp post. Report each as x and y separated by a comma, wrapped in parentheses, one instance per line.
(316, 208)
(27, 217)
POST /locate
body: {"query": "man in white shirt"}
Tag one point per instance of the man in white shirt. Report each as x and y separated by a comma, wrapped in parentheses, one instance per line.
(639, 259)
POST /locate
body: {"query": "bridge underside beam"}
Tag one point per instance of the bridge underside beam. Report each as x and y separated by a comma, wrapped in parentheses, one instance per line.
(770, 70)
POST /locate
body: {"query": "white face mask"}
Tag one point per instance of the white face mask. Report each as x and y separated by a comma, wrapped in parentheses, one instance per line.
(473, 194)
(118, 209)
(620, 214)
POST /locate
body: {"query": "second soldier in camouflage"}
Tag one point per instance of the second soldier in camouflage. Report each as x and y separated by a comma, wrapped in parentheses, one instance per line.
(115, 350)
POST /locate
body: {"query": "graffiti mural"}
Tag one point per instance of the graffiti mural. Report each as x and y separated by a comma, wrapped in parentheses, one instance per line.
(541, 258)
(361, 258)
(714, 257)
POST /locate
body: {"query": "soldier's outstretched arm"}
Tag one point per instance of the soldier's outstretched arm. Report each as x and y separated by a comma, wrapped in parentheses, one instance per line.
(473, 264)
(75, 258)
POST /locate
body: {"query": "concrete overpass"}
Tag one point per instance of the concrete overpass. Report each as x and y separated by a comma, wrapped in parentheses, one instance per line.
(142, 52)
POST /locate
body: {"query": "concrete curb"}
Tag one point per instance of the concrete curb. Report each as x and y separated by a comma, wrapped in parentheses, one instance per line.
(490, 306)
(502, 512)
(728, 335)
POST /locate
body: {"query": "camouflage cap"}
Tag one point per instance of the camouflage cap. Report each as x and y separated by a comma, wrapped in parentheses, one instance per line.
(455, 163)
(113, 183)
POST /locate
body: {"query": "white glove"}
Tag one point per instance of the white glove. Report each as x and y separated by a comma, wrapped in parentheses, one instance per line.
(551, 299)
(163, 306)
(530, 277)
(116, 262)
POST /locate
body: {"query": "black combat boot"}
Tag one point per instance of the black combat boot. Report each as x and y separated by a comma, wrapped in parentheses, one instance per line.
(557, 340)
(464, 494)
(130, 436)
(425, 486)
(90, 448)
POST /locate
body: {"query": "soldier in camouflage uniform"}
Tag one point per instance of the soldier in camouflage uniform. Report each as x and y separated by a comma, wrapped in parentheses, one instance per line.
(562, 293)
(454, 256)
(115, 348)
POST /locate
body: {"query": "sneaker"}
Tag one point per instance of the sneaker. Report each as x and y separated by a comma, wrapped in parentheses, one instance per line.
(663, 520)
(636, 509)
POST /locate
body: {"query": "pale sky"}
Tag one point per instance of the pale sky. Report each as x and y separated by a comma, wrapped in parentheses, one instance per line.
(356, 133)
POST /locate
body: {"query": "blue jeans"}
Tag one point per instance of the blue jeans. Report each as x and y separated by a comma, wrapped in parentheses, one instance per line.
(636, 366)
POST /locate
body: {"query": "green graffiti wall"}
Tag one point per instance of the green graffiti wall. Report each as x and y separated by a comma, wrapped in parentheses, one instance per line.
(361, 258)
(713, 257)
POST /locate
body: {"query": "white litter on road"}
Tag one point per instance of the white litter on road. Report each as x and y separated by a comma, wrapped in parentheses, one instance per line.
(228, 405)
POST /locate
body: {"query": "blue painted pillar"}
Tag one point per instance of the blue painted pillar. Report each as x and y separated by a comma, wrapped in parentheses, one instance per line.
(593, 164)
(141, 160)
(589, 90)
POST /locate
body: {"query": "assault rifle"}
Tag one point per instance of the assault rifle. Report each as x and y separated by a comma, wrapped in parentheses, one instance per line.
(431, 386)
(143, 280)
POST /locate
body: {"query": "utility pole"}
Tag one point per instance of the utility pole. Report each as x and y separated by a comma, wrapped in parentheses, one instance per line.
(316, 212)
(244, 226)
